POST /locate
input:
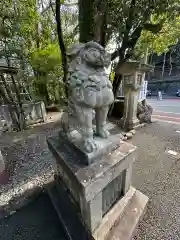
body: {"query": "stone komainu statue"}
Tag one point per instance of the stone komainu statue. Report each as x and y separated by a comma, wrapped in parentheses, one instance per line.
(90, 93)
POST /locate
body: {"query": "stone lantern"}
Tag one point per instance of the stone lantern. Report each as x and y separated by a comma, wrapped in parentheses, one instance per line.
(133, 76)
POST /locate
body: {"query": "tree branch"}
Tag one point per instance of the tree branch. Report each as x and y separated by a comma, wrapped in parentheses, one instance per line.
(154, 28)
(129, 20)
(62, 45)
(103, 27)
(115, 54)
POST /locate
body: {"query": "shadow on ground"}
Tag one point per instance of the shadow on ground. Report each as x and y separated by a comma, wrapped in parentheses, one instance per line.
(37, 221)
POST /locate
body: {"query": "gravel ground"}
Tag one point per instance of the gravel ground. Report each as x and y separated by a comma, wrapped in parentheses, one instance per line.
(156, 174)
(28, 164)
(25, 146)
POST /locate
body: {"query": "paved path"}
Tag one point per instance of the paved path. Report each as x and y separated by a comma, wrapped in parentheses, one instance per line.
(167, 110)
(156, 173)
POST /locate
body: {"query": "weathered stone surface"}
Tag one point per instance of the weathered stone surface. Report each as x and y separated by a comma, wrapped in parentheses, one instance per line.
(94, 188)
(124, 229)
(133, 132)
(133, 77)
(94, 177)
(104, 146)
(129, 135)
(68, 213)
(113, 215)
(34, 112)
(144, 112)
(90, 93)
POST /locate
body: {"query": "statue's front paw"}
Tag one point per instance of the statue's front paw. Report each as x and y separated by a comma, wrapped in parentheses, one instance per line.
(103, 133)
(90, 145)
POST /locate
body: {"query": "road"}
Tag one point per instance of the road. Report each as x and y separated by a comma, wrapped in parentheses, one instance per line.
(156, 174)
(166, 110)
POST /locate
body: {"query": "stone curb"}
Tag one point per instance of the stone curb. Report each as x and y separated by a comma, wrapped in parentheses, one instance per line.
(132, 132)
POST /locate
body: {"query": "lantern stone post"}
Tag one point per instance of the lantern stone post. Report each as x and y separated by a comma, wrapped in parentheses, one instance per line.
(133, 77)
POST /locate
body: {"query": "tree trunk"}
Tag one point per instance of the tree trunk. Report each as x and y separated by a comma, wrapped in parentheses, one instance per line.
(62, 45)
(103, 39)
(42, 90)
(45, 93)
(86, 20)
(163, 67)
(116, 84)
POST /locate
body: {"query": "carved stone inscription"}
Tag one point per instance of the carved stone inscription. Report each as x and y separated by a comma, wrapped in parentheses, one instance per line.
(112, 193)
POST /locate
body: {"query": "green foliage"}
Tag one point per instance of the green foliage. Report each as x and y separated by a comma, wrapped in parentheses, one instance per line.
(125, 20)
(46, 59)
(28, 35)
(129, 14)
(46, 64)
(159, 43)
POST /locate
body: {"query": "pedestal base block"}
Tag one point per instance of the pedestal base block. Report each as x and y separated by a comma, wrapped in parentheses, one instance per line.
(90, 199)
(125, 227)
(120, 223)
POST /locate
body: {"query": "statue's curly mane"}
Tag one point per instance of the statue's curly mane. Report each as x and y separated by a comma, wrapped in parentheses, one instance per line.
(90, 94)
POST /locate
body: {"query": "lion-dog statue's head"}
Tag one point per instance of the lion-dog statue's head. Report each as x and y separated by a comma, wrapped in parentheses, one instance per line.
(88, 81)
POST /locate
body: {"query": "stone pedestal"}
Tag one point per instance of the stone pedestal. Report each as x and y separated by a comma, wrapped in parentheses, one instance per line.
(133, 75)
(91, 199)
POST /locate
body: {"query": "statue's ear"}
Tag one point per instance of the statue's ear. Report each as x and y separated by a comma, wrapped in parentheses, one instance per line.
(74, 50)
